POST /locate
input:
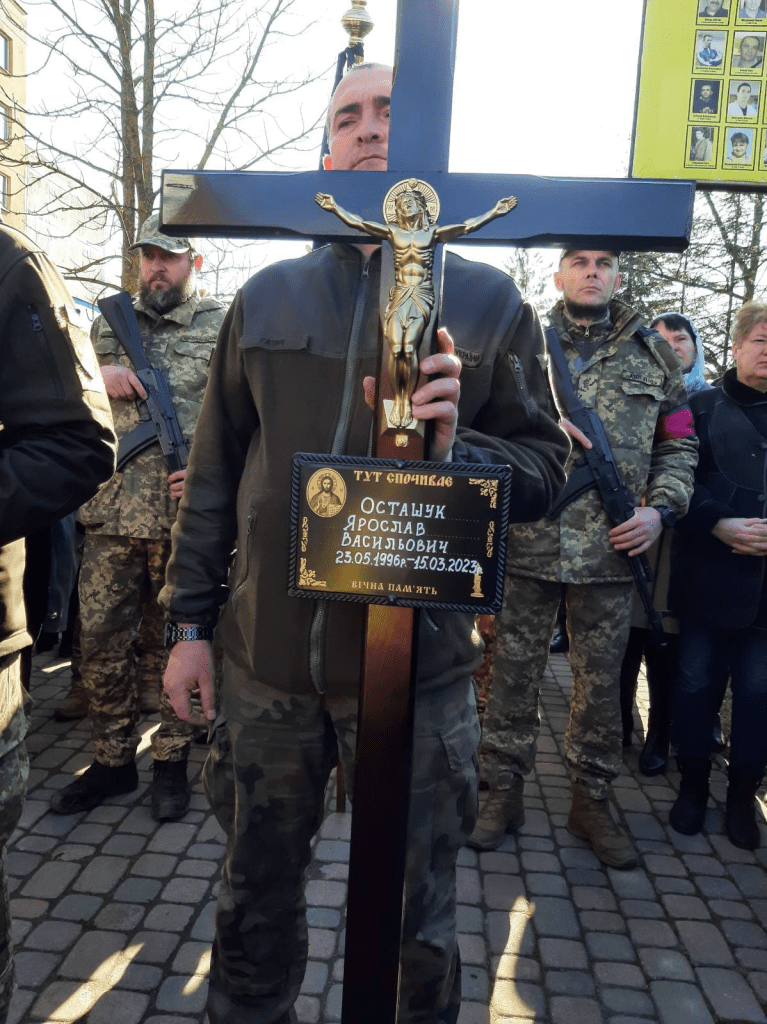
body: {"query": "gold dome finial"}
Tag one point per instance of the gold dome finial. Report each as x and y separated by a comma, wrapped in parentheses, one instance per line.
(357, 22)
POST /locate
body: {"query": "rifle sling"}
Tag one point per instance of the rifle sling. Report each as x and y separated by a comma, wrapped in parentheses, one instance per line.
(561, 373)
(580, 479)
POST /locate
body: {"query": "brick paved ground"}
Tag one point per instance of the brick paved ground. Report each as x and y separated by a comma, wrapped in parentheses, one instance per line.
(113, 912)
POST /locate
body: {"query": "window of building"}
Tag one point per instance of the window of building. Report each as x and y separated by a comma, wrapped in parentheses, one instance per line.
(4, 190)
(5, 52)
(5, 122)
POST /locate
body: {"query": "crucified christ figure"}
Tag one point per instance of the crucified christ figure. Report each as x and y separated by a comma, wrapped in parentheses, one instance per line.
(413, 239)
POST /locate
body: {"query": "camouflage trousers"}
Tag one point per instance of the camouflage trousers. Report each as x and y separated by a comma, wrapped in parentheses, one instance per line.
(598, 623)
(121, 641)
(265, 779)
(483, 677)
(14, 769)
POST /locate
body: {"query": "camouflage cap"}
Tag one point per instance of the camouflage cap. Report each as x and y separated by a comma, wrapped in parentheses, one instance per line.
(150, 234)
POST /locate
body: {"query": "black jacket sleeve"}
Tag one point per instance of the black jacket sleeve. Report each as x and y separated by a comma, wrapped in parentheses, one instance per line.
(57, 444)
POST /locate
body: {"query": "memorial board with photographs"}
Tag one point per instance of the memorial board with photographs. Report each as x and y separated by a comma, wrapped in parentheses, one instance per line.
(701, 109)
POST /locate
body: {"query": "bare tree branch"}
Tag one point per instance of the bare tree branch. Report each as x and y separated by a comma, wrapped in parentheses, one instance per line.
(144, 84)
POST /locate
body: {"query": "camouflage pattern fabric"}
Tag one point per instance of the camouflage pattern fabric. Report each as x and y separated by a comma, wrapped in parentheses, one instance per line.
(636, 386)
(483, 677)
(121, 636)
(265, 777)
(136, 502)
(598, 622)
(13, 699)
(14, 770)
(76, 664)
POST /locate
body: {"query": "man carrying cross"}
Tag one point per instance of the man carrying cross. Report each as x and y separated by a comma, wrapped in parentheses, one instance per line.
(295, 349)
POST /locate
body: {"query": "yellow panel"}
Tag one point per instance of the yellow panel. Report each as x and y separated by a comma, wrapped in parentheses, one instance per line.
(702, 99)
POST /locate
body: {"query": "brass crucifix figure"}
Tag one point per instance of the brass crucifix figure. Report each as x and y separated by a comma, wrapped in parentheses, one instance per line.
(410, 209)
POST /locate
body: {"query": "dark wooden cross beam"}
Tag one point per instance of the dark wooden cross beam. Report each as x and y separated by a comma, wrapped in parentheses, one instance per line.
(603, 213)
(606, 214)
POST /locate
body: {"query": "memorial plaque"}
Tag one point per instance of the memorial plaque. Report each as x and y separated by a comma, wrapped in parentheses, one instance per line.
(406, 533)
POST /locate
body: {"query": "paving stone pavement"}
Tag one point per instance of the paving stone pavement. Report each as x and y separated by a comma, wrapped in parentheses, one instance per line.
(113, 913)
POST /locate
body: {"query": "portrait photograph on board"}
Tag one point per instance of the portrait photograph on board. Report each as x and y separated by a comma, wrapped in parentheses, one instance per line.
(751, 11)
(743, 99)
(748, 51)
(739, 148)
(705, 97)
(701, 147)
(709, 49)
(712, 9)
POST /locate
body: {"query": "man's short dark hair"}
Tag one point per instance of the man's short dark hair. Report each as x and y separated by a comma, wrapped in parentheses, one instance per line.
(739, 137)
(675, 322)
(741, 85)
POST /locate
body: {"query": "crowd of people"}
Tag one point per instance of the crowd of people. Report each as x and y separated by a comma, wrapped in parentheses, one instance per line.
(691, 457)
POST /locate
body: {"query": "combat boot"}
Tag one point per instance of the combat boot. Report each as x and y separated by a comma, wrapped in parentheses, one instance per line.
(689, 811)
(503, 811)
(740, 813)
(170, 790)
(590, 819)
(74, 705)
(96, 783)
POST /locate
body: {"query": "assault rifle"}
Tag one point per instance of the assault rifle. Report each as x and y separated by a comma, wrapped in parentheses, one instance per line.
(601, 472)
(161, 424)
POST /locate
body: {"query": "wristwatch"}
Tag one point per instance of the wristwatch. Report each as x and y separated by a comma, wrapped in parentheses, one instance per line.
(174, 633)
(667, 515)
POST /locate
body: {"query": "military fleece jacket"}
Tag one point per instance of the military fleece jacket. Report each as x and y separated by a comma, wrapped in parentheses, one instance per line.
(56, 438)
(287, 377)
(136, 502)
(634, 382)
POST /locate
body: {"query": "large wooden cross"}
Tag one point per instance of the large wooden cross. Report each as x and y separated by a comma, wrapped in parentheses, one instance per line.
(602, 214)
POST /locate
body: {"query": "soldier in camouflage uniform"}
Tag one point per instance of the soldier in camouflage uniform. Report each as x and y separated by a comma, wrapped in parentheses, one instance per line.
(58, 446)
(127, 543)
(630, 376)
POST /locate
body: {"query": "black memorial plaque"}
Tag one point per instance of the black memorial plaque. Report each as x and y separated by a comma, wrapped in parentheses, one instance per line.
(405, 533)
